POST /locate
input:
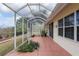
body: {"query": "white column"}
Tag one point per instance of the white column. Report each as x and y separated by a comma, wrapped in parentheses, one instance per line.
(15, 31)
(31, 28)
(63, 28)
(75, 28)
(48, 30)
(27, 26)
(22, 29)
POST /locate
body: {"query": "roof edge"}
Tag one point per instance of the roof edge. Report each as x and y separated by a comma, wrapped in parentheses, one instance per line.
(55, 11)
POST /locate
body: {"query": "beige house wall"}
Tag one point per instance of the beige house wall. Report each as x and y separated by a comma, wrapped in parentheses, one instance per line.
(69, 45)
(70, 8)
(67, 10)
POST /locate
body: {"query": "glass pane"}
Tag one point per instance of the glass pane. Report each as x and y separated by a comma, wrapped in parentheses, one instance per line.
(15, 6)
(50, 6)
(69, 32)
(69, 20)
(60, 23)
(60, 31)
(25, 28)
(25, 12)
(6, 29)
(44, 11)
(77, 17)
(29, 24)
(78, 33)
(36, 27)
(18, 30)
(34, 8)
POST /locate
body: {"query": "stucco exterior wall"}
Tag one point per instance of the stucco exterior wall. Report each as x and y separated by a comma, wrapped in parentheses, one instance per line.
(70, 45)
(70, 8)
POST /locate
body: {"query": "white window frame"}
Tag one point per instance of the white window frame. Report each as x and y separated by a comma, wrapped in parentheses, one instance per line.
(75, 27)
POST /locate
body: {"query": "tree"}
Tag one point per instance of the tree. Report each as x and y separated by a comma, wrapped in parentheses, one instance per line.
(19, 26)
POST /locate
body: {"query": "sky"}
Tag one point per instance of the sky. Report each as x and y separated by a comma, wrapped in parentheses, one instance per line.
(7, 16)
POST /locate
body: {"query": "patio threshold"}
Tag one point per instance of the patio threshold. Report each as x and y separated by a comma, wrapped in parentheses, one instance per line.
(48, 47)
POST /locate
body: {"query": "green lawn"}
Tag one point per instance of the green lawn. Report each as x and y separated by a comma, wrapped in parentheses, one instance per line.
(8, 46)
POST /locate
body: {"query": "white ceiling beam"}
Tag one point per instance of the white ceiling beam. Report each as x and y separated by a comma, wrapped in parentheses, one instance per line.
(37, 17)
(22, 8)
(9, 7)
(43, 14)
(38, 20)
(39, 7)
(30, 9)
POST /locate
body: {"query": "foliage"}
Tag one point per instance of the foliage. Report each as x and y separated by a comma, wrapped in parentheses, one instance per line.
(0, 37)
(7, 32)
(28, 47)
(33, 35)
(43, 33)
(19, 26)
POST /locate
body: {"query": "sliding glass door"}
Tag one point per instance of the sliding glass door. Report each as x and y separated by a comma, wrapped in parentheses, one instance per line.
(51, 30)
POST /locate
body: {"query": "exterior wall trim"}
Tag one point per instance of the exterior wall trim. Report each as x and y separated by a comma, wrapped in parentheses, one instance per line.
(75, 27)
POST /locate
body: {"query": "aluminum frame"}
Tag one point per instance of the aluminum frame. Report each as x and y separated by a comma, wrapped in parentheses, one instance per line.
(16, 12)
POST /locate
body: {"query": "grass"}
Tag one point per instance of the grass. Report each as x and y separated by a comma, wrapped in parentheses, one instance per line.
(8, 46)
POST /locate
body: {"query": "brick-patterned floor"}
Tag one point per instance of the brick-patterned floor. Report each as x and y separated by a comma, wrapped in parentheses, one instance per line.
(47, 48)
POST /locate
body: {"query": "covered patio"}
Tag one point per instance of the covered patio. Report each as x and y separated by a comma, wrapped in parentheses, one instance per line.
(37, 14)
(34, 12)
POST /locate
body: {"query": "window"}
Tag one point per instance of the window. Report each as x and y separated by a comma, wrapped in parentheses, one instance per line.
(69, 20)
(77, 25)
(60, 30)
(77, 33)
(69, 26)
(60, 23)
(69, 32)
(77, 17)
(60, 27)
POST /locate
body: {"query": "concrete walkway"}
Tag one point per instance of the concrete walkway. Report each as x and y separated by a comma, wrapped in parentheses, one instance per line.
(47, 48)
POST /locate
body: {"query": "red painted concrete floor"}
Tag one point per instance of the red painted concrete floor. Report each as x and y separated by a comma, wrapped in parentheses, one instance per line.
(47, 48)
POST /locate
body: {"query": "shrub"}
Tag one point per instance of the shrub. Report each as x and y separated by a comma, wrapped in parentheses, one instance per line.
(43, 33)
(28, 47)
(33, 35)
(0, 37)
